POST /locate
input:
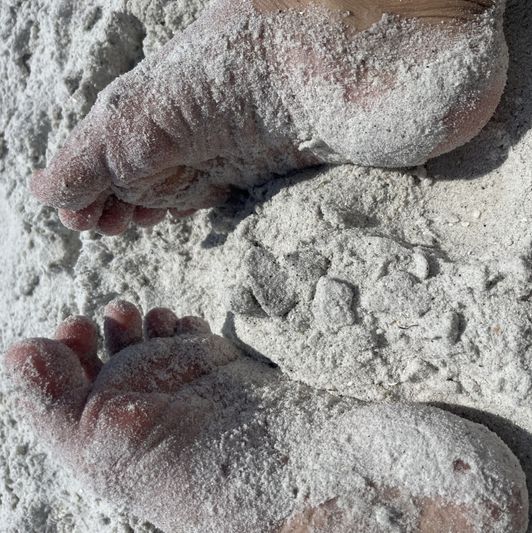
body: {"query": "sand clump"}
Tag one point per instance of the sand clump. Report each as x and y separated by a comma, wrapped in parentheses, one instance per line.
(395, 284)
(365, 295)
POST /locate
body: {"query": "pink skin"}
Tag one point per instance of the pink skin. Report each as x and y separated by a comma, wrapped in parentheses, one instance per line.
(132, 428)
(69, 363)
(101, 160)
(66, 377)
(122, 326)
(97, 415)
(110, 216)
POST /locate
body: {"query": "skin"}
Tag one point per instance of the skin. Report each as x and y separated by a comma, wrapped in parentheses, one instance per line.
(148, 410)
(79, 403)
(95, 185)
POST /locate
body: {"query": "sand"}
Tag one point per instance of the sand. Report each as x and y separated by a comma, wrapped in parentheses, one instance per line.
(398, 284)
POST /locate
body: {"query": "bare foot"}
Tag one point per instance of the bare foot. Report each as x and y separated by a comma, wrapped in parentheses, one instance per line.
(187, 433)
(262, 87)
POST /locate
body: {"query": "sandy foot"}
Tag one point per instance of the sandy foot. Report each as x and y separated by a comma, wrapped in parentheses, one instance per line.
(260, 88)
(181, 428)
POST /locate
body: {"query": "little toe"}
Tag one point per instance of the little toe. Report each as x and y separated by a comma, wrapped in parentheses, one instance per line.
(80, 334)
(192, 324)
(146, 217)
(160, 322)
(115, 217)
(45, 368)
(122, 325)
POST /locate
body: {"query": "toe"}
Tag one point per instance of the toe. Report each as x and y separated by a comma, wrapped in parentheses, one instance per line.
(45, 368)
(110, 216)
(160, 322)
(85, 219)
(122, 325)
(115, 217)
(80, 334)
(78, 174)
(146, 217)
(192, 324)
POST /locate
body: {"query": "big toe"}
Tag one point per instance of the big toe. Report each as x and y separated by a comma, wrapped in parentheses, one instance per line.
(47, 372)
(78, 173)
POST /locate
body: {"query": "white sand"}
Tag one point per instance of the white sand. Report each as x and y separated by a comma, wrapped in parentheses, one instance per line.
(445, 317)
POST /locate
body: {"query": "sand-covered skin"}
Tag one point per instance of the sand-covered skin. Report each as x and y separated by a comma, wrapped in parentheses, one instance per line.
(467, 213)
(188, 432)
(241, 95)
